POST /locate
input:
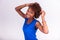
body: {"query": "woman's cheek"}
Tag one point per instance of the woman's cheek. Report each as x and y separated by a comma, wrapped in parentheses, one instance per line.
(28, 16)
(31, 15)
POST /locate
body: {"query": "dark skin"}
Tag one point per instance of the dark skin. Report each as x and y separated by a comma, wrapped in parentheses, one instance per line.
(30, 15)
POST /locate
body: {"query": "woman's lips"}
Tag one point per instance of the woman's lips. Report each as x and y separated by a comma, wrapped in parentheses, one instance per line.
(27, 16)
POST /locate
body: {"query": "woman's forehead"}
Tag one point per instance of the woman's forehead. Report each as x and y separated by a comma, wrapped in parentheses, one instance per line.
(30, 9)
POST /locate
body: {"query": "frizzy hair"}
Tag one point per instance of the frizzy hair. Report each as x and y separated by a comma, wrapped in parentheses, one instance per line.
(36, 8)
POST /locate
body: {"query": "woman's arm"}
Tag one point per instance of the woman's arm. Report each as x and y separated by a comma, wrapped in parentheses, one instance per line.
(18, 9)
(42, 27)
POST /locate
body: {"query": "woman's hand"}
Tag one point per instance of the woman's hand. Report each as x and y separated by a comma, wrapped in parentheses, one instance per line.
(44, 24)
(43, 14)
(28, 4)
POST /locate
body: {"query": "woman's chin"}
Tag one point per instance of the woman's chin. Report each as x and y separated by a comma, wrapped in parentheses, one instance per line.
(28, 16)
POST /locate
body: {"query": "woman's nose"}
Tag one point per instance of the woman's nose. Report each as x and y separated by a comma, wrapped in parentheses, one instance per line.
(28, 13)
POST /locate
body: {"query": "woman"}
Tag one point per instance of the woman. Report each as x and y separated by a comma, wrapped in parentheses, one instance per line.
(31, 24)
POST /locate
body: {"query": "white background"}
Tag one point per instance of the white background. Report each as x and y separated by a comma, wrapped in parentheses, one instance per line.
(11, 22)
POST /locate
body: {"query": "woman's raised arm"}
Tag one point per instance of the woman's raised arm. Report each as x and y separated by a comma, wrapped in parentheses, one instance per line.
(42, 27)
(18, 9)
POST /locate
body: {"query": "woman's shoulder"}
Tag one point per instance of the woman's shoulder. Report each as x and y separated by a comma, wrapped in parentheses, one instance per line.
(37, 22)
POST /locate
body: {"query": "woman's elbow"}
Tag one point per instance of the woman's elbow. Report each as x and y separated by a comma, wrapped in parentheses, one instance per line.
(16, 8)
(46, 32)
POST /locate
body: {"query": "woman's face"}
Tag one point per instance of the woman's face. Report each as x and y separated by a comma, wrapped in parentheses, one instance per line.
(30, 13)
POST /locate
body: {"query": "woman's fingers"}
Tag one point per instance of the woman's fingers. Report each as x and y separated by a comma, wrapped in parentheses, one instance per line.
(43, 13)
(28, 4)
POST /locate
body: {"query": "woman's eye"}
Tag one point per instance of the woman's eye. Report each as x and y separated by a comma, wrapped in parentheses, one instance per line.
(31, 12)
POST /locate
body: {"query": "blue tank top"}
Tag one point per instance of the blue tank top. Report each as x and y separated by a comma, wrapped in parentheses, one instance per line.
(30, 30)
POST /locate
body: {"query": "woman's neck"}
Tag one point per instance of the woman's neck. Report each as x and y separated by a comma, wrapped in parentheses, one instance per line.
(30, 20)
